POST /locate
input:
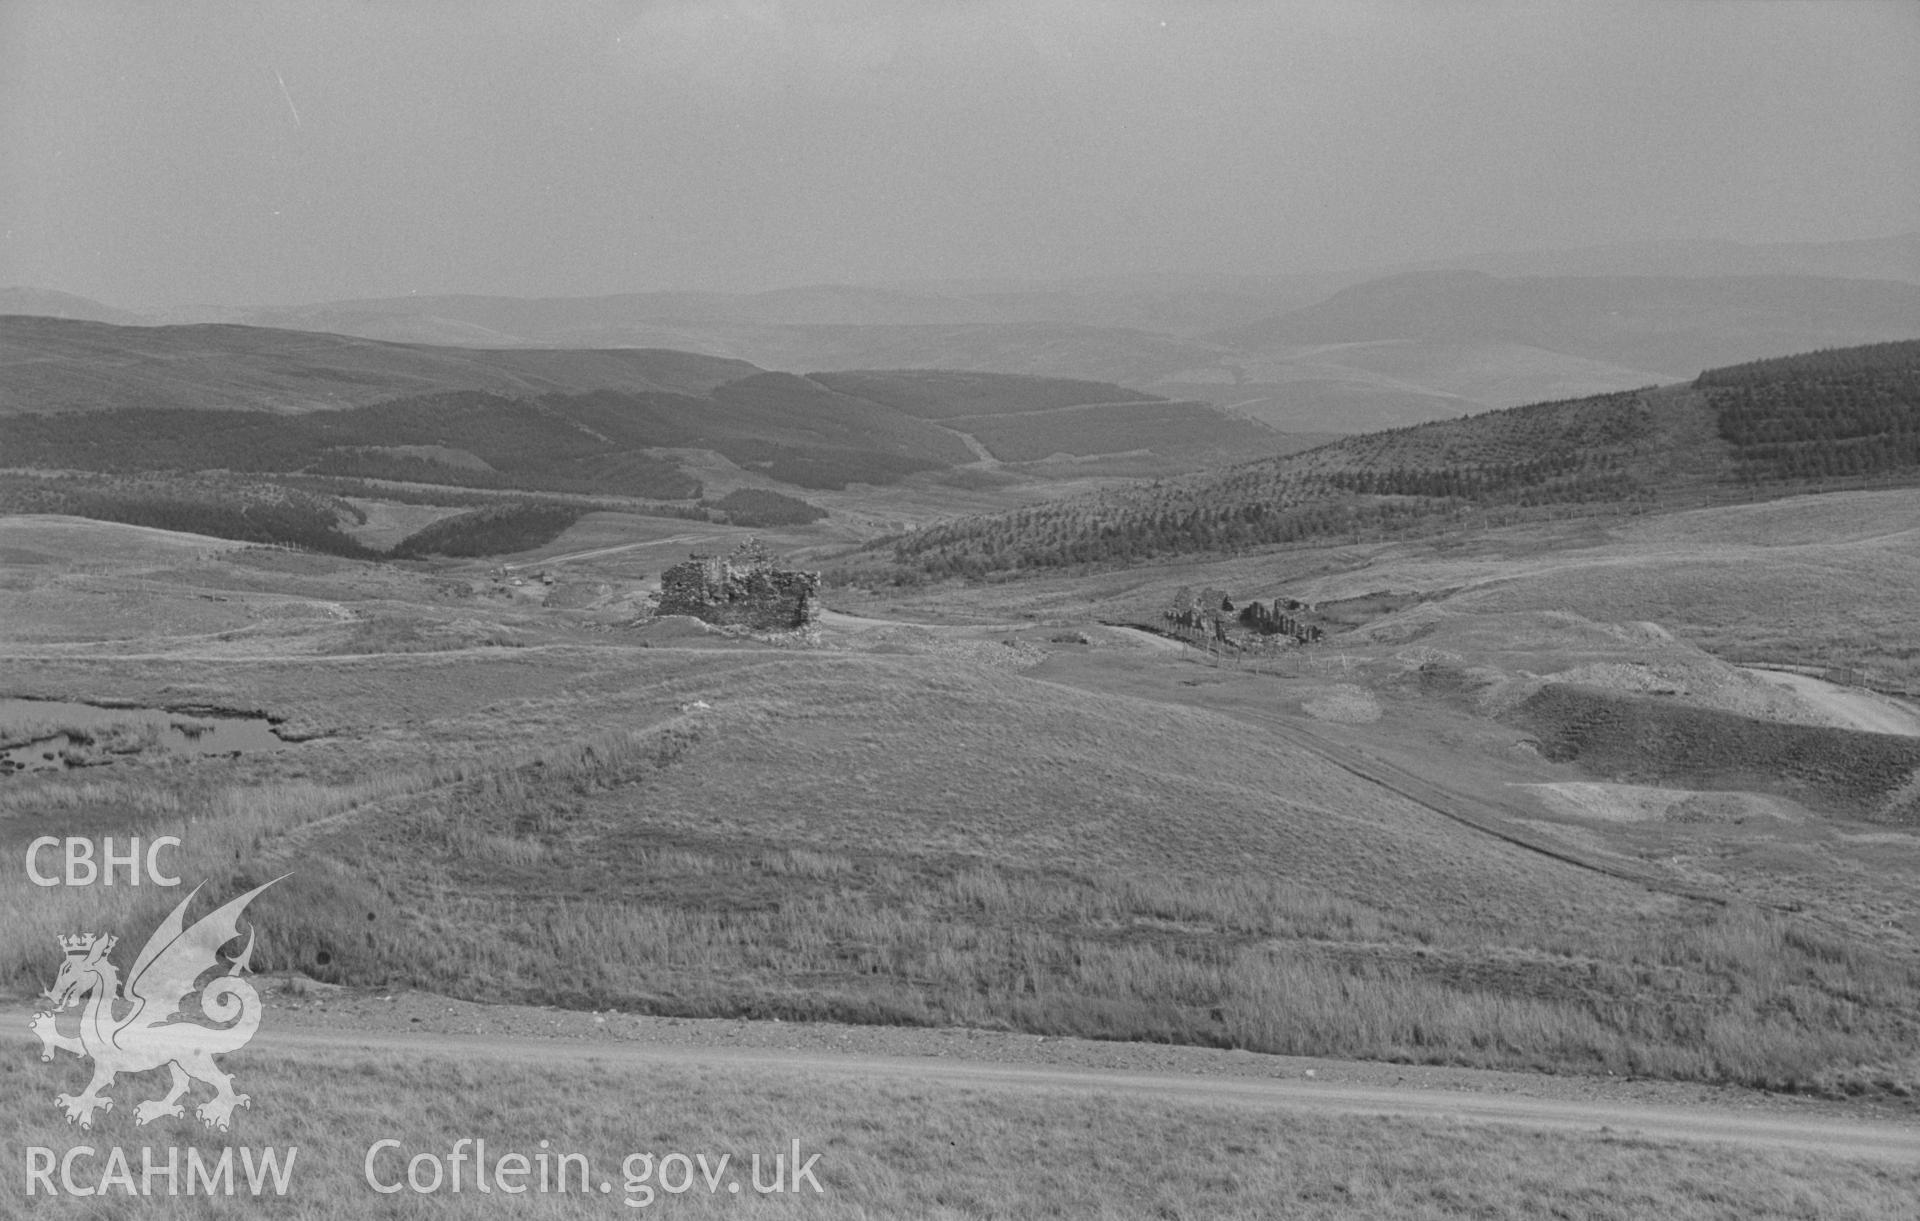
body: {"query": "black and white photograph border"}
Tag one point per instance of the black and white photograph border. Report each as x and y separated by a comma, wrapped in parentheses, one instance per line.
(960, 609)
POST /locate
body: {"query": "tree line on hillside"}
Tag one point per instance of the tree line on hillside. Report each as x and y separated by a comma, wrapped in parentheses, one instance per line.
(785, 427)
(240, 511)
(1617, 425)
(518, 443)
(498, 529)
(829, 470)
(1872, 357)
(1546, 458)
(641, 476)
(1848, 414)
(1305, 509)
(758, 508)
(309, 511)
(1481, 483)
(450, 497)
(254, 512)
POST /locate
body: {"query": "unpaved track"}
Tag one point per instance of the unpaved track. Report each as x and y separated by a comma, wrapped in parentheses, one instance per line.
(1475, 813)
(1864, 710)
(1889, 1143)
(600, 551)
(864, 623)
(1166, 644)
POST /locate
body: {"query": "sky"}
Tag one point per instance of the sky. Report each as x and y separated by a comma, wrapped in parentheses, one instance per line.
(156, 153)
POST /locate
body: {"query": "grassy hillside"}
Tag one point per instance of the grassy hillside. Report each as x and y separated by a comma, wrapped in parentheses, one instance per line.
(908, 838)
(58, 366)
(1023, 419)
(1392, 383)
(1057, 829)
(1591, 451)
(1833, 419)
(1645, 740)
(191, 399)
(315, 513)
(463, 438)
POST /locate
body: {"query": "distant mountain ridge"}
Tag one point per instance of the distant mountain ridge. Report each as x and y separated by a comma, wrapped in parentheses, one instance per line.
(1339, 351)
(1678, 326)
(1882, 258)
(61, 365)
(91, 396)
(47, 303)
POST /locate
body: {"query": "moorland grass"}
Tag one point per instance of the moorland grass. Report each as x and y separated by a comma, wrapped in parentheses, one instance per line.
(541, 879)
(891, 1148)
(856, 838)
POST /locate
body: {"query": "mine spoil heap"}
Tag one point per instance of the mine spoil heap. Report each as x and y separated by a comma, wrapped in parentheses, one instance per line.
(744, 588)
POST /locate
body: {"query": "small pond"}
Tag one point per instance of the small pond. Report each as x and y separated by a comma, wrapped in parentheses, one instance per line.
(53, 735)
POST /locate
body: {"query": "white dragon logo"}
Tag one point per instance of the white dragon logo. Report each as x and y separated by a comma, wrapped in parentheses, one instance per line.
(141, 1036)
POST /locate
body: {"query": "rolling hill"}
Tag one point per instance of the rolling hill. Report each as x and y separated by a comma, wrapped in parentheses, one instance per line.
(375, 348)
(1392, 346)
(1391, 383)
(53, 366)
(170, 411)
(1379, 352)
(48, 303)
(1841, 418)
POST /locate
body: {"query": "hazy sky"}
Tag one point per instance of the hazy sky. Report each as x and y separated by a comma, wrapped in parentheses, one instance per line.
(263, 152)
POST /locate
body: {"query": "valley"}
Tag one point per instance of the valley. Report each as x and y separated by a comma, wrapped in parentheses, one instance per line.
(1598, 764)
(1020, 610)
(1344, 811)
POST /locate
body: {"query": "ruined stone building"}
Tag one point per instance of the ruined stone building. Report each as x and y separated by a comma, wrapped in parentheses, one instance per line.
(1280, 619)
(1210, 614)
(743, 588)
(1202, 613)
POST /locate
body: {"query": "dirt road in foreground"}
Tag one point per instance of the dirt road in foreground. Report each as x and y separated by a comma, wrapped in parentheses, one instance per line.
(1887, 1142)
(421, 1025)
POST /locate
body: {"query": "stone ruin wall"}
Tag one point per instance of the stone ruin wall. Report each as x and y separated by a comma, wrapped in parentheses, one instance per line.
(1211, 614)
(745, 589)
